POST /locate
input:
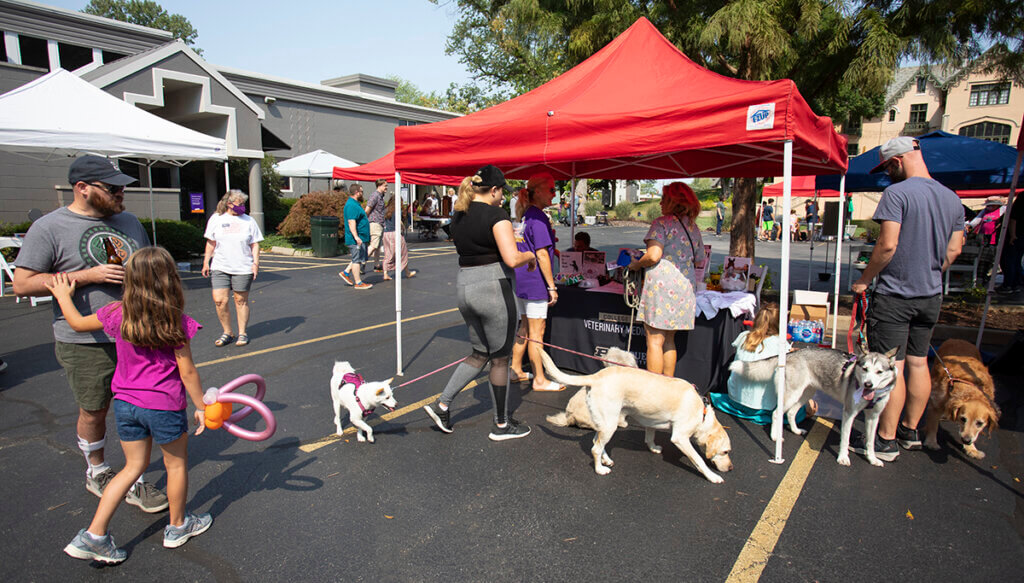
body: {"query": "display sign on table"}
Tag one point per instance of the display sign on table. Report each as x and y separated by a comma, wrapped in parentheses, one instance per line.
(589, 264)
(735, 273)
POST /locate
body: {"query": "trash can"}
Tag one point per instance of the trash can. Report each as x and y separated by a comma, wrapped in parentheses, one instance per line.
(323, 230)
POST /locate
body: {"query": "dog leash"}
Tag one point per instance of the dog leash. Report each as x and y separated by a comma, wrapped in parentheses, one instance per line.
(950, 376)
(633, 283)
(431, 373)
(858, 320)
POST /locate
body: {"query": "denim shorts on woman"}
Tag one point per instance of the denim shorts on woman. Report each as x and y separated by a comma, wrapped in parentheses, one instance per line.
(237, 283)
(135, 423)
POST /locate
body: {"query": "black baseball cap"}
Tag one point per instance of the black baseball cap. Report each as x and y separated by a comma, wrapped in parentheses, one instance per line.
(89, 168)
(491, 176)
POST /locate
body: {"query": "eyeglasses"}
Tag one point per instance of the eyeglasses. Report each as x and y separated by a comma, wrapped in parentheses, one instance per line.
(113, 189)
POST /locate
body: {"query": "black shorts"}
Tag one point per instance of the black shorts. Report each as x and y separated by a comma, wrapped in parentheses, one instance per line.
(904, 322)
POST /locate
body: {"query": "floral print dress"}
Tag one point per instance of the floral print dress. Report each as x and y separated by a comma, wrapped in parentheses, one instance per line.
(669, 299)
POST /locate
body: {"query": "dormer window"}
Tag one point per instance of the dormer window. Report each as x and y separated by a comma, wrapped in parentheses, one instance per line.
(922, 84)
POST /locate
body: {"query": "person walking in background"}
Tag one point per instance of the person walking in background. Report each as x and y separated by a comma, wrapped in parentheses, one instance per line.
(231, 261)
(375, 213)
(921, 234)
(391, 222)
(357, 234)
(768, 219)
(154, 371)
(71, 240)
(1013, 251)
(486, 282)
(535, 288)
(669, 299)
(811, 214)
(719, 216)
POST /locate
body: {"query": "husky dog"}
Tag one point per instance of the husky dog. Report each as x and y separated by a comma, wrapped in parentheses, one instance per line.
(861, 382)
(348, 390)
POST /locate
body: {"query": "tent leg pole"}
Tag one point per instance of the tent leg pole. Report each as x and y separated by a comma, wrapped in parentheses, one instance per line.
(780, 375)
(152, 213)
(999, 246)
(398, 273)
(572, 209)
(839, 258)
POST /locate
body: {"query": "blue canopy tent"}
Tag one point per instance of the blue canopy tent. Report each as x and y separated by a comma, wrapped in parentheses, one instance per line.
(958, 162)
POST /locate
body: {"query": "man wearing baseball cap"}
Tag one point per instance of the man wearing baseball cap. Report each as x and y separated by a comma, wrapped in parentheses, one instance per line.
(922, 231)
(73, 240)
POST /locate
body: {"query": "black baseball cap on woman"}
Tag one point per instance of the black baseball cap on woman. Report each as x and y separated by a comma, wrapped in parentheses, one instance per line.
(491, 176)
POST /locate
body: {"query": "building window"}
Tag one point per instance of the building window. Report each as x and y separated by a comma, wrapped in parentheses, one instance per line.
(919, 113)
(110, 57)
(3, 48)
(405, 122)
(286, 184)
(853, 126)
(922, 84)
(990, 94)
(73, 57)
(34, 52)
(892, 115)
(987, 130)
(852, 149)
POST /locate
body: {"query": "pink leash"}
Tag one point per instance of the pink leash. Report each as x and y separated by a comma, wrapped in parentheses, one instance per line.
(432, 372)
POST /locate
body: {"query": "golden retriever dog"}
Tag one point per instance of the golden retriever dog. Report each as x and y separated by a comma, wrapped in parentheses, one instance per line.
(576, 411)
(655, 402)
(965, 395)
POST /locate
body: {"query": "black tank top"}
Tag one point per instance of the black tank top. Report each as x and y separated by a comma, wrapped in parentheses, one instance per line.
(474, 235)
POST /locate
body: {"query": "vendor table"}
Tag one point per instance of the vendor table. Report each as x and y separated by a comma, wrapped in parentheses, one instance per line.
(593, 322)
(427, 226)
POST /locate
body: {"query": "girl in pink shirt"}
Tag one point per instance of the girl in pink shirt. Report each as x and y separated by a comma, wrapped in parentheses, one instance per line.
(154, 371)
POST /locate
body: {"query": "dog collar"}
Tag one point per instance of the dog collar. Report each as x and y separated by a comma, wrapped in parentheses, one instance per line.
(849, 362)
(356, 380)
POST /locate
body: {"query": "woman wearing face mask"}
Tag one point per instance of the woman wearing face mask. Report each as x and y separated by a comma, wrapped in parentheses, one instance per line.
(233, 259)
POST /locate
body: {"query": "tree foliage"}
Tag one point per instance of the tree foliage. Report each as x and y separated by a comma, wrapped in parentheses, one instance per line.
(145, 13)
(465, 98)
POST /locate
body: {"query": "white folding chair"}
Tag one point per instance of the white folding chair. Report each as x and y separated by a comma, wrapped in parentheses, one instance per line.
(7, 272)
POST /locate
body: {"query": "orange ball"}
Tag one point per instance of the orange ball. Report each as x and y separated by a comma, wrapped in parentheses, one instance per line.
(217, 414)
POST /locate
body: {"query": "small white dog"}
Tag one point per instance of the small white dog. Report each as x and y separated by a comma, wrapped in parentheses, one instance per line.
(348, 390)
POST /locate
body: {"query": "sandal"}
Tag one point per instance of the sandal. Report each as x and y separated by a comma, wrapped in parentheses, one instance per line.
(527, 376)
(224, 340)
(552, 386)
(243, 339)
(411, 274)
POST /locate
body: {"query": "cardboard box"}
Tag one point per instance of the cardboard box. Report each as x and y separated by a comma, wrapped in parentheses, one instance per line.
(810, 305)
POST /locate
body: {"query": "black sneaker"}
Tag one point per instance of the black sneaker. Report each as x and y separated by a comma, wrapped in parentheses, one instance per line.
(441, 417)
(907, 438)
(885, 449)
(511, 430)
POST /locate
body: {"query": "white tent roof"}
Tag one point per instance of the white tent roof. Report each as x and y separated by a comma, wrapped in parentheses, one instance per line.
(315, 164)
(60, 114)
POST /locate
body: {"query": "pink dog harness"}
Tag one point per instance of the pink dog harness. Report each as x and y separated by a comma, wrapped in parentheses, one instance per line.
(356, 380)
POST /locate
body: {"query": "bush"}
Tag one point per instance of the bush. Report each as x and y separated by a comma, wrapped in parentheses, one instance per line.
(9, 230)
(653, 212)
(296, 224)
(624, 210)
(871, 229)
(181, 239)
(272, 218)
(592, 207)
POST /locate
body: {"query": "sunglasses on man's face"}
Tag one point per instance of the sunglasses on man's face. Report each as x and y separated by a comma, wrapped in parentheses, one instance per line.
(109, 189)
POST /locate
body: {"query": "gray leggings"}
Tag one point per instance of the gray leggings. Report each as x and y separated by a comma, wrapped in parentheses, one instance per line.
(488, 305)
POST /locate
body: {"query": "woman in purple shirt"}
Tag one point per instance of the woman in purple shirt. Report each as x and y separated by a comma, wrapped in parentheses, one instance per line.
(535, 290)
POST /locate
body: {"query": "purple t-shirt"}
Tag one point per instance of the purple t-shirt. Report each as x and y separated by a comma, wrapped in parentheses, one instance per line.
(532, 234)
(145, 377)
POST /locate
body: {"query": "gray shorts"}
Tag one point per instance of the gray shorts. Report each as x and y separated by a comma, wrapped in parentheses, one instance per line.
(237, 283)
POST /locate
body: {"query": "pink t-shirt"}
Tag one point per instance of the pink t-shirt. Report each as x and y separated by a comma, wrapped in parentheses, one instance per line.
(145, 377)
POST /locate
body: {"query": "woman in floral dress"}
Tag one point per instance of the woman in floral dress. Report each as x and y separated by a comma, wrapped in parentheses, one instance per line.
(669, 299)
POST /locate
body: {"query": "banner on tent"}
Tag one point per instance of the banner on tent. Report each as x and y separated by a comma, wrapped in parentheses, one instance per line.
(195, 200)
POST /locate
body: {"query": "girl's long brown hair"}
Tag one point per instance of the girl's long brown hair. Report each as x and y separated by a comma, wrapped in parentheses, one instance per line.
(766, 324)
(153, 300)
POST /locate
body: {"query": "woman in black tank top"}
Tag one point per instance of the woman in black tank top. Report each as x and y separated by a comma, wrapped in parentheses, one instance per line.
(487, 256)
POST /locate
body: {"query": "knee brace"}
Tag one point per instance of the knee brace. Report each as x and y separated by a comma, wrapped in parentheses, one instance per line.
(88, 448)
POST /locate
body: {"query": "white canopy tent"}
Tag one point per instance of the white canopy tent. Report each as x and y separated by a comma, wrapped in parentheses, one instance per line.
(315, 164)
(60, 115)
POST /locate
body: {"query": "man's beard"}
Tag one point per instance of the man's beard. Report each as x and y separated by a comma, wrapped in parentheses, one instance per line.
(106, 206)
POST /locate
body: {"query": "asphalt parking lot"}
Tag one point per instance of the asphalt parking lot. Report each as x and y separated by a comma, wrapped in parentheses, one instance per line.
(420, 505)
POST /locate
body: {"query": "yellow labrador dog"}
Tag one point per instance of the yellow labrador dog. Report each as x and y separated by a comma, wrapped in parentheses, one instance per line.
(654, 402)
(576, 411)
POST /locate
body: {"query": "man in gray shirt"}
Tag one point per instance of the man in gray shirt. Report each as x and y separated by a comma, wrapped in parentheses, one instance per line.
(922, 232)
(78, 240)
(375, 213)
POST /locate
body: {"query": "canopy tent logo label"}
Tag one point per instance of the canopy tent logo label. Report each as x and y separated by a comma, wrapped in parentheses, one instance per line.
(761, 117)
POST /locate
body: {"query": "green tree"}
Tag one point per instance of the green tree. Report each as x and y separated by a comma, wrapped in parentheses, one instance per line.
(145, 13)
(840, 54)
(457, 98)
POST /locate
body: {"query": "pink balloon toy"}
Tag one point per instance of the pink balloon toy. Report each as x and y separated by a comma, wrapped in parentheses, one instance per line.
(218, 408)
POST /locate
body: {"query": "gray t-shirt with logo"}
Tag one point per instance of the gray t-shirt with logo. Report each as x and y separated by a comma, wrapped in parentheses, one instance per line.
(928, 214)
(66, 241)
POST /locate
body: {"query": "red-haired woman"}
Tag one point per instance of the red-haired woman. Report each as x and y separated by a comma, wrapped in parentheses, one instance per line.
(669, 299)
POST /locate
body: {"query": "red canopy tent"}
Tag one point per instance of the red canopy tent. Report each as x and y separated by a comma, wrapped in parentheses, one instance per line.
(384, 167)
(638, 108)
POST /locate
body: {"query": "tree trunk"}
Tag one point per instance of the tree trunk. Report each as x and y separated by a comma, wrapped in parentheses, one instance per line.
(744, 213)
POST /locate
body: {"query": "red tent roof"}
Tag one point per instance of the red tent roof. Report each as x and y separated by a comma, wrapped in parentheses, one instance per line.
(638, 108)
(385, 168)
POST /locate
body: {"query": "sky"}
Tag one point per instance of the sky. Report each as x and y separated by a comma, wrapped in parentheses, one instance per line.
(315, 40)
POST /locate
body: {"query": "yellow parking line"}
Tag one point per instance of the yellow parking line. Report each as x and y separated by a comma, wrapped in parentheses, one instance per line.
(318, 443)
(761, 542)
(320, 339)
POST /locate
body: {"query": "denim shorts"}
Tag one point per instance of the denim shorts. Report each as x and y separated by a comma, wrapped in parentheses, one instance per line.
(135, 423)
(359, 254)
